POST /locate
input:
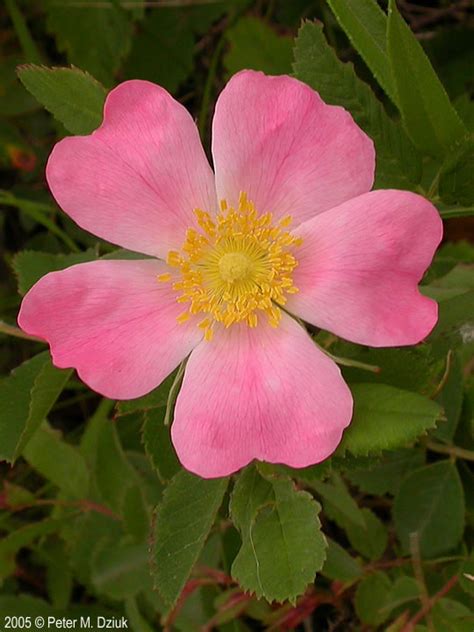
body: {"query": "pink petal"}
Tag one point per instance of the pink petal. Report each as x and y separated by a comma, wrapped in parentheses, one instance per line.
(359, 267)
(113, 322)
(136, 180)
(263, 393)
(275, 139)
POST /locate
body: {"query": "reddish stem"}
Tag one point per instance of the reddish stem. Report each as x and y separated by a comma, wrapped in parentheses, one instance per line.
(212, 576)
(421, 614)
(84, 504)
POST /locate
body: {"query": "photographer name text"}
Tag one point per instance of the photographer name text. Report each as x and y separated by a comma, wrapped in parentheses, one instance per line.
(65, 623)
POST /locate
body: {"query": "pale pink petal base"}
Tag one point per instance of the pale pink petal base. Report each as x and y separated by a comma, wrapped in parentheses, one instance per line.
(136, 180)
(275, 139)
(113, 322)
(360, 265)
(264, 393)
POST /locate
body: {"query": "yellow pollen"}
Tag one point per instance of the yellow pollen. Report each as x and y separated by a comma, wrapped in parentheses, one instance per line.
(236, 268)
(182, 318)
(164, 277)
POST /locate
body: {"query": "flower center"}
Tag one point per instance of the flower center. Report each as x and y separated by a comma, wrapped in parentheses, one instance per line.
(237, 268)
(234, 266)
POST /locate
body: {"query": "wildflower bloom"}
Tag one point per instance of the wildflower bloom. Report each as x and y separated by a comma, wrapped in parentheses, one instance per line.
(286, 226)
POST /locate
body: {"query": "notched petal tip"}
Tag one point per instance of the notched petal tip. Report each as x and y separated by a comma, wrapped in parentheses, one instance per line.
(275, 138)
(111, 321)
(360, 265)
(252, 394)
(136, 179)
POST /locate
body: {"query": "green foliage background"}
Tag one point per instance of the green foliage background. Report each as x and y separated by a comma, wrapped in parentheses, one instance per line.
(96, 515)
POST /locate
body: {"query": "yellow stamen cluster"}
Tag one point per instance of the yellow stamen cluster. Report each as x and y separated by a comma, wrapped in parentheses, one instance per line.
(240, 263)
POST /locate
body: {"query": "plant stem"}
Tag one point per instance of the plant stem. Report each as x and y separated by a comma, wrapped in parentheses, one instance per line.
(420, 578)
(232, 17)
(410, 626)
(354, 363)
(206, 97)
(463, 211)
(38, 212)
(82, 504)
(27, 43)
(173, 392)
(11, 330)
(444, 379)
(452, 450)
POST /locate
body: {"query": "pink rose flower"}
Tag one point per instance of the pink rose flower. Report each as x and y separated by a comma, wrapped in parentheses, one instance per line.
(285, 226)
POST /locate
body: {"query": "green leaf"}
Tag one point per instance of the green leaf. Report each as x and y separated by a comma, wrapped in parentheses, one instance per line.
(339, 564)
(90, 437)
(461, 276)
(58, 461)
(371, 596)
(282, 545)
(337, 499)
(411, 368)
(385, 476)
(151, 487)
(308, 474)
(121, 570)
(456, 183)
(115, 481)
(458, 280)
(251, 492)
(59, 578)
(74, 97)
(386, 418)
(398, 163)
(86, 536)
(463, 104)
(455, 327)
(114, 474)
(365, 531)
(365, 25)
(135, 515)
(94, 38)
(182, 524)
(371, 539)
(155, 399)
(430, 502)
(157, 442)
(255, 45)
(122, 253)
(448, 256)
(29, 265)
(26, 397)
(404, 590)
(449, 615)
(430, 119)
(134, 616)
